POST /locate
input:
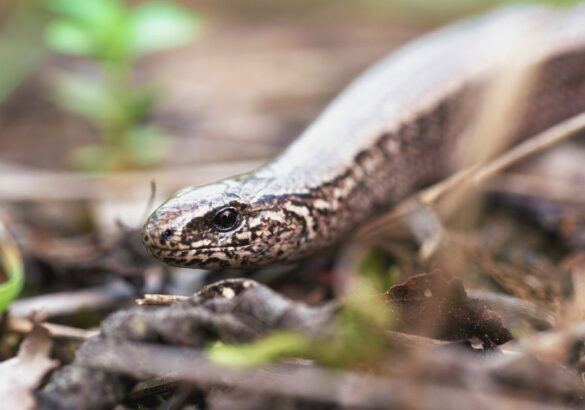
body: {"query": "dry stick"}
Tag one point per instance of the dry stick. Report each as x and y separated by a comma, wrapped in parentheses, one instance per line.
(66, 303)
(23, 326)
(505, 302)
(345, 388)
(546, 187)
(156, 299)
(18, 183)
(150, 202)
(477, 175)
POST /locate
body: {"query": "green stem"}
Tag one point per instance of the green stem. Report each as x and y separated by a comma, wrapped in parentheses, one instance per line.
(117, 80)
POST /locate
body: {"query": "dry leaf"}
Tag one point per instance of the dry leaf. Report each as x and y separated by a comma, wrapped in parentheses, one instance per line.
(20, 375)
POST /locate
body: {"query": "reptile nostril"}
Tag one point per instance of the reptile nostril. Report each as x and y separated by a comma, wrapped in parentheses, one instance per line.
(149, 233)
(167, 234)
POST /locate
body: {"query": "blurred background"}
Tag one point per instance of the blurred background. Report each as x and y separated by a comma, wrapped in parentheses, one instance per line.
(100, 97)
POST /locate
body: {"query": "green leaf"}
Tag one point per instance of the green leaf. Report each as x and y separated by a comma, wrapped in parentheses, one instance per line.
(69, 38)
(13, 269)
(86, 98)
(376, 267)
(260, 352)
(360, 336)
(158, 26)
(95, 28)
(87, 12)
(141, 101)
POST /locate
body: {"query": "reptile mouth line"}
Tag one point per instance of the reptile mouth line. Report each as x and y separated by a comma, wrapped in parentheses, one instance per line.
(177, 252)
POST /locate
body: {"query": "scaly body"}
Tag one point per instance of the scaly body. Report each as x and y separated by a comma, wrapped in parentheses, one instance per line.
(384, 137)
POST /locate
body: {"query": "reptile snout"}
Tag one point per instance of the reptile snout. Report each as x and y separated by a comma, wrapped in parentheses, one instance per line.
(149, 233)
(156, 233)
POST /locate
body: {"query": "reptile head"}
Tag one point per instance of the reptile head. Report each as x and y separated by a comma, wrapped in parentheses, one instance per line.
(222, 225)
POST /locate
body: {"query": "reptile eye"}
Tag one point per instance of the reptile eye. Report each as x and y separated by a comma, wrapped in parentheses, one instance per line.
(167, 234)
(226, 219)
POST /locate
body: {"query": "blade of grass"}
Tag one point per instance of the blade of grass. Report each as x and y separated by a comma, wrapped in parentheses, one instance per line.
(13, 269)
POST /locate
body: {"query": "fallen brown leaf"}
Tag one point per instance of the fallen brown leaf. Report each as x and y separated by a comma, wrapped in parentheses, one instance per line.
(436, 305)
(20, 375)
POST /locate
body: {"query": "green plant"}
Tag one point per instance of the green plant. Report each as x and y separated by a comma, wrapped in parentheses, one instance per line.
(374, 266)
(360, 337)
(115, 37)
(11, 270)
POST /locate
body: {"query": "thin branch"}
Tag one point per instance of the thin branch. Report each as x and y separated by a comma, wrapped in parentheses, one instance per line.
(65, 303)
(155, 299)
(545, 187)
(477, 175)
(18, 183)
(24, 326)
(345, 388)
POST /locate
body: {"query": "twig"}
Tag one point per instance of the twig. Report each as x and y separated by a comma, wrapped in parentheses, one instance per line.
(546, 187)
(151, 199)
(64, 303)
(541, 142)
(344, 388)
(152, 299)
(414, 341)
(23, 326)
(506, 302)
(477, 175)
(560, 346)
(19, 183)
